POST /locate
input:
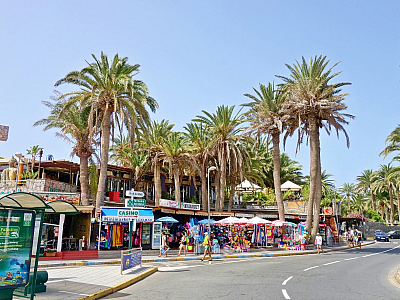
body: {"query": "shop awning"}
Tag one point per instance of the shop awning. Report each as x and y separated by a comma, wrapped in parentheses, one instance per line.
(123, 215)
(30, 201)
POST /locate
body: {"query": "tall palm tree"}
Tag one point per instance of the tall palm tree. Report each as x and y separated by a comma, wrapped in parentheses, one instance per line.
(115, 98)
(314, 102)
(266, 116)
(392, 142)
(33, 151)
(174, 151)
(385, 182)
(200, 142)
(73, 123)
(365, 182)
(349, 191)
(152, 137)
(224, 127)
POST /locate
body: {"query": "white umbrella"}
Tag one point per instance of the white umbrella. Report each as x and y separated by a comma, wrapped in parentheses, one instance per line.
(290, 186)
(259, 221)
(228, 221)
(243, 221)
(247, 186)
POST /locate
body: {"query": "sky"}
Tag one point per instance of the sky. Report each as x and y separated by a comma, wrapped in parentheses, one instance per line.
(198, 55)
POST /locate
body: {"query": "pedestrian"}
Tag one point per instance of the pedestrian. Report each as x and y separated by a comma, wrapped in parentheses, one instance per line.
(207, 246)
(164, 247)
(318, 242)
(359, 239)
(349, 239)
(182, 244)
(303, 242)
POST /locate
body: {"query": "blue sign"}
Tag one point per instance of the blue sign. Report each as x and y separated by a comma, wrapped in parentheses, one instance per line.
(131, 260)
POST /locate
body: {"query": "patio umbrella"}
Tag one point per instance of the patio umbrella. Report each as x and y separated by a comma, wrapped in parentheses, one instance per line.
(291, 224)
(259, 221)
(228, 221)
(279, 223)
(205, 221)
(167, 220)
(243, 221)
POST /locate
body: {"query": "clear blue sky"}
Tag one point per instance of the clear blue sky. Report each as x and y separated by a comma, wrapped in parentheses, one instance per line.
(196, 55)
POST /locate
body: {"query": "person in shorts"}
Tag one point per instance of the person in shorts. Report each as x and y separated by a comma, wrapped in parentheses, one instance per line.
(359, 239)
(318, 243)
(164, 247)
(182, 244)
(207, 246)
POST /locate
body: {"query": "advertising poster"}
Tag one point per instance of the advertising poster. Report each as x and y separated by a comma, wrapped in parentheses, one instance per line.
(131, 260)
(16, 232)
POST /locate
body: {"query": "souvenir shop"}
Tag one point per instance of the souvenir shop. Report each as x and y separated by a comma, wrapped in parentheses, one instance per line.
(116, 224)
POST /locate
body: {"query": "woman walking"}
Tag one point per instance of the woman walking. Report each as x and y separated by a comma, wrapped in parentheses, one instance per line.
(359, 240)
(182, 244)
(207, 246)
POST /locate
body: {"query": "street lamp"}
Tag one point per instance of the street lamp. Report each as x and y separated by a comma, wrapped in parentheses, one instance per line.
(20, 156)
(213, 168)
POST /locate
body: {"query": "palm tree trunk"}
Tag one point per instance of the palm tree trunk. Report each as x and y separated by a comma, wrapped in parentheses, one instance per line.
(313, 172)
(398, 203)
(177, 184)
(157, 182)
(382, 210)
(105, 143)
(84, 179)
(222, 180)
(386, 214)
(277, 176)
(217, 187)
(204, 188)
(372, 199)
(318, 193)
(391, 204)
(231, 194)
(348, 203)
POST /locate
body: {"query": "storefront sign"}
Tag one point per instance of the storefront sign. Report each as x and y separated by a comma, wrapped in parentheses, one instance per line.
(267, 216)
(167, 210)
(184, 212)
(295, 207)
(3, 132)
(221, 214)
(16, 234)
(240, 215)
(133, 193)
(192, 206)
(129, 202)
(327, 211)
(126, 215)
(169, 203)
(201, 213)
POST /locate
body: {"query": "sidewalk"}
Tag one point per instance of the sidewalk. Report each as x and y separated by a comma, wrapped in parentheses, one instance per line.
(172, 256)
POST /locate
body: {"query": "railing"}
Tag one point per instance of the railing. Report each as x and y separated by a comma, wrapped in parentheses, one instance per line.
(131, 258)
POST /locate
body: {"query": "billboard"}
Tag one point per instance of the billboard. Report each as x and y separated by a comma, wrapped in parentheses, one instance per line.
(3, 133)
(16, 233)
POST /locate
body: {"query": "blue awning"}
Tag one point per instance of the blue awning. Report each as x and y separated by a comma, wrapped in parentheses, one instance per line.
(124, 215)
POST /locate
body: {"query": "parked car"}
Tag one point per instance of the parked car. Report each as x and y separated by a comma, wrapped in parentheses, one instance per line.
(381, 236)
(394, 234)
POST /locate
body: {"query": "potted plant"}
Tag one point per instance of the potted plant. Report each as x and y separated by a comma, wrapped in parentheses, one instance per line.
(49, 252)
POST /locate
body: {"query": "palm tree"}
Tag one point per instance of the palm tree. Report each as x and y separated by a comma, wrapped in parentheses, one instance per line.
(224, 127)
(314, 102)
(73, 123)
(152, 138)
(115, 98)
(33, 151)
(174, 151)
(392, 142)
(200, 142)
(365, 182)
(349, 191)
(266, 117)
(385, 182)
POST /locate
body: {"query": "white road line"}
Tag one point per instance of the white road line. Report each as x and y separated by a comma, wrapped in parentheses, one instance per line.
(331, 263)
(351, 258)
(310, 268)
(73, 293)
(285, 294)
(284, 283)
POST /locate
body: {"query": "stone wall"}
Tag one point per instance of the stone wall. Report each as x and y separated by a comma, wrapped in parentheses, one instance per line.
(370, 227)
(38, 185)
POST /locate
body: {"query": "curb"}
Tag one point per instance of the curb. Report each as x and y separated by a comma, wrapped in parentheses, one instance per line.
(117, 262)
(120, 286)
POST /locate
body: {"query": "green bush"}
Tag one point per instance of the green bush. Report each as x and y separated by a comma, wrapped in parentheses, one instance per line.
(374, 216)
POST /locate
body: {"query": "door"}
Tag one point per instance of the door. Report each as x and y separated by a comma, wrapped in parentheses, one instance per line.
(156, 240)
(146, 236)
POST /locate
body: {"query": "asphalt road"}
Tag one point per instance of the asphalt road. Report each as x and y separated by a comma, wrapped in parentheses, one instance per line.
(352, 274)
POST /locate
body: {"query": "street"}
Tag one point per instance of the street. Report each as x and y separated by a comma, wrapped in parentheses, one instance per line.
(351, 274)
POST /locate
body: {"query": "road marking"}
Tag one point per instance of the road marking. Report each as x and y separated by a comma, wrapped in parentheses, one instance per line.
(285, 294)
(331, 263)
(284, 283)
(351, 258)
(395, 242)
(310, 268)
(73, 293)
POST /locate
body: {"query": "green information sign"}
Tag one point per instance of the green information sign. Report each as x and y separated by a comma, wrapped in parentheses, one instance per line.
(16, 233)
(135, 202)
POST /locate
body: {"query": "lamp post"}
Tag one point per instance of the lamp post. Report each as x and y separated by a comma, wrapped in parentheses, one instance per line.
(40, 160)
(20, 156)
(208, 203)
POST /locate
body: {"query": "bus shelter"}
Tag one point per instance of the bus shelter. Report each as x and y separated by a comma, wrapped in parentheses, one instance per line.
(21, 222)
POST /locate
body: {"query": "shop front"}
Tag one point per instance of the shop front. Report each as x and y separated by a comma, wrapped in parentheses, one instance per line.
(125, 228)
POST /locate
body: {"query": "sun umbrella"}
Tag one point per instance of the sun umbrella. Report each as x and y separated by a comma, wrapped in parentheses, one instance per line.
(259, 221)
(291, 224)
(228, 221)
(279, 223)
(205, 221)
(243, 221)
(167, 220)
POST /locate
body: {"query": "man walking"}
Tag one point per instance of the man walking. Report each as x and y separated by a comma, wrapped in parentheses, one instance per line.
(318, 242)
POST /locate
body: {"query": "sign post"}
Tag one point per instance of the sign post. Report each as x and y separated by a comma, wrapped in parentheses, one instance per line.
(132, 202)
